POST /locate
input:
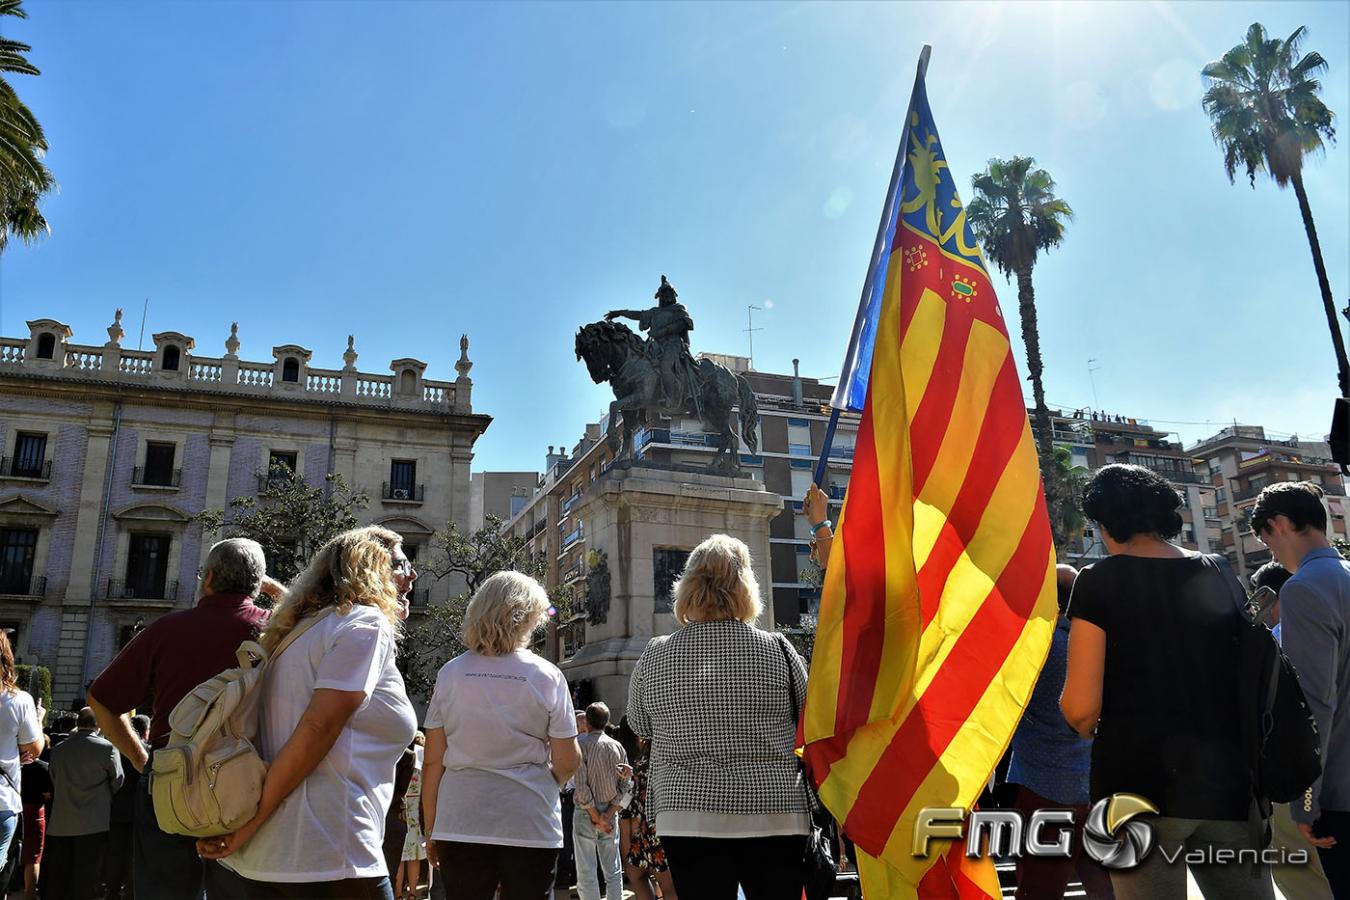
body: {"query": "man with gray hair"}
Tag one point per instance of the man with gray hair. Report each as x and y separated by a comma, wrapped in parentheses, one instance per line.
(166, 661)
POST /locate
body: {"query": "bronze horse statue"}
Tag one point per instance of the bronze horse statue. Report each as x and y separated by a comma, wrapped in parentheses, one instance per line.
(614, 353)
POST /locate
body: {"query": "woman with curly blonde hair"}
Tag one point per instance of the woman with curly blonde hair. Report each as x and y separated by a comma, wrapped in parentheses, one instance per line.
(335, 719)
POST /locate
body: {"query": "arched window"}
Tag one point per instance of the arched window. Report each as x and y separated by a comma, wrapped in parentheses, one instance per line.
(46, 348)
(171, 357)
(290, 370)
(407, 382)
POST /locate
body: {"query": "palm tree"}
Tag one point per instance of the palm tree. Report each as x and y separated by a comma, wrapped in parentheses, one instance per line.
(23, 176)
(1266, 115)
(1015, 215)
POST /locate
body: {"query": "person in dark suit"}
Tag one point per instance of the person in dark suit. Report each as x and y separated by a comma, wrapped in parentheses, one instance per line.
(117, 868)
(86, 772)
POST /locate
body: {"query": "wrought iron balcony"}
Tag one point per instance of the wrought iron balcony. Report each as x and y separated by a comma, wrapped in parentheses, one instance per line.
(120, 589)
(572, 537)
(169, 478)
(403, 493)
(17, 468)
(19, 586)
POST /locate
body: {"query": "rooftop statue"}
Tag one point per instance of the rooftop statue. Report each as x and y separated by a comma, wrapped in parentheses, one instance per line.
(659, 377)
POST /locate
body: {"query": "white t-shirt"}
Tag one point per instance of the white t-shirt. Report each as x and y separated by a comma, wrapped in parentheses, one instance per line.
(498, 713)
(331, 826)
(18, 725)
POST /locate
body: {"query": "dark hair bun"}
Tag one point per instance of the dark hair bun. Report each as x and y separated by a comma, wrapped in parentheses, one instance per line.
(1127, 500)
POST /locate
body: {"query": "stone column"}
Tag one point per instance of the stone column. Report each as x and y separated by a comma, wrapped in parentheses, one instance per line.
(218, 473)
(629, 515)
(83, 588)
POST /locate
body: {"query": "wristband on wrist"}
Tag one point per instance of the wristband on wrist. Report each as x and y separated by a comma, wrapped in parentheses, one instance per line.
(815, 529)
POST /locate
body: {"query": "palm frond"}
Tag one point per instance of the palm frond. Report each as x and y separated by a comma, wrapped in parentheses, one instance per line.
(1263, 105)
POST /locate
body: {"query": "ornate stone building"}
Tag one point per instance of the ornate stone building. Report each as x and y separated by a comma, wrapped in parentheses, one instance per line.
(107, 454)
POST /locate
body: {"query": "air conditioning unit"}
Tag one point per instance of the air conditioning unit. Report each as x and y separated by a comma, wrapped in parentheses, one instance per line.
(400, 494)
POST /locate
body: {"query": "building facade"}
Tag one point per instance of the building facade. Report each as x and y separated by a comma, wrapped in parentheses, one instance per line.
(499, 494)
(793, 417)
(1095, 440)
(110, 454)
(1242, 459)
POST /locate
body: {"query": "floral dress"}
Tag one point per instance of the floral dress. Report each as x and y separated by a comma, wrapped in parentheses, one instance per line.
(413, 846)
(644, 847)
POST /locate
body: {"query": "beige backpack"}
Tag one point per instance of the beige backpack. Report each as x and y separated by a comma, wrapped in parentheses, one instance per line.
(208, 778)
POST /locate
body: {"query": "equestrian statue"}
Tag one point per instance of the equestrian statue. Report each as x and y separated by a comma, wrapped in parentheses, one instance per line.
(658, 377)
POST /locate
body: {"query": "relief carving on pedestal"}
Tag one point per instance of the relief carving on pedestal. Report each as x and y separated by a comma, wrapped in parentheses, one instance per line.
(597, 587)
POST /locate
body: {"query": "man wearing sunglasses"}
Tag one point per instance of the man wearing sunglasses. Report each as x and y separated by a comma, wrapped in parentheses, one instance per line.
(1290, 518)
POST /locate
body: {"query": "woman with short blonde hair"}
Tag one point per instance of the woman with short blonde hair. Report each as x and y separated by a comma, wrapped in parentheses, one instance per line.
(718, 583)
(505, 611)
(501, 741)
(729, 803)
(334, 721)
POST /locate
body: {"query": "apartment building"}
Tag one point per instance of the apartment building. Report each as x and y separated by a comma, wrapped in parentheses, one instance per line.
(1240, 460)
(1096, 439)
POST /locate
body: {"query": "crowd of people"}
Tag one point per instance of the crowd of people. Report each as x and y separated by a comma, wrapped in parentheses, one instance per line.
(507, 785)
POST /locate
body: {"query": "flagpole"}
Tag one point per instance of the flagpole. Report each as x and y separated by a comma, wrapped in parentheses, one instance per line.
(878, 253)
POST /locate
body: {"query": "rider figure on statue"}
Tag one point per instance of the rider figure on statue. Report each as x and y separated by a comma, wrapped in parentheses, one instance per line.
(667, 325)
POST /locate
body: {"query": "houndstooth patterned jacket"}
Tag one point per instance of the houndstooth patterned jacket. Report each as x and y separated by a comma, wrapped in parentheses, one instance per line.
(713, 698)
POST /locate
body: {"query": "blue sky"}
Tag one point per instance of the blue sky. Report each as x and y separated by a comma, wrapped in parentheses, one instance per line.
(411, 171)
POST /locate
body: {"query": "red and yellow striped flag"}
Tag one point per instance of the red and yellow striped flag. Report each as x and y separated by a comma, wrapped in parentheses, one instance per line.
(938, 604)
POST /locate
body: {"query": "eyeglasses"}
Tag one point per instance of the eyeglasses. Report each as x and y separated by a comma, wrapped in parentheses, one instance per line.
(403, 567)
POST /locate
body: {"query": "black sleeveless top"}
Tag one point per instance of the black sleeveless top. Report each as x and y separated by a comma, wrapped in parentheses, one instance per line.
(1169, 725)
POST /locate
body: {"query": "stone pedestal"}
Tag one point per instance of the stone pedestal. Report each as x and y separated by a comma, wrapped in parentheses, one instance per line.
(640, 522)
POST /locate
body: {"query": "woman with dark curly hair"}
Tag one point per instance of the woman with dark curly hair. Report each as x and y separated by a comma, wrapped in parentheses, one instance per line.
(1153, 671)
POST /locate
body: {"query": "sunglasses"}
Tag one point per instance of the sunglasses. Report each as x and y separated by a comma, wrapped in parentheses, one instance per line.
(403, 567)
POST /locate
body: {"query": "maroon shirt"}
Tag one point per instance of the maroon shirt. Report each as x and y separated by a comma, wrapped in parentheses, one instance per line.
(176, 653)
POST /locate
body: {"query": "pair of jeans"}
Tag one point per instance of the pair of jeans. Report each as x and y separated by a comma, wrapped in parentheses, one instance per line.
(163, 866)
(1045, 878)
(1158, 879)
(9, 824)
(474, 871)
(230, 885)
(1336, 861)
(766, 868)
(588, 842)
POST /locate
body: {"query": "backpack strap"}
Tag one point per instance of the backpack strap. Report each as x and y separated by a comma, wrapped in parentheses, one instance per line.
(1235, 589)
(300, 628)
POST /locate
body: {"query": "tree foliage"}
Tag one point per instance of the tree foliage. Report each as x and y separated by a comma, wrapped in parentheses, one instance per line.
(1015, 213)
(1263, 104)
(24, 178)
(1064, 498)
(289, 517)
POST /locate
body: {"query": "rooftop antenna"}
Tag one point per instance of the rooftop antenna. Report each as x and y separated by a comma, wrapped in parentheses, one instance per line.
(144, 309)
(1092, 367)
(750, 329)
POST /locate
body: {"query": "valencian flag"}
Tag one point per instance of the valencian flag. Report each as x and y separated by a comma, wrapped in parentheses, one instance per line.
(939, 603)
